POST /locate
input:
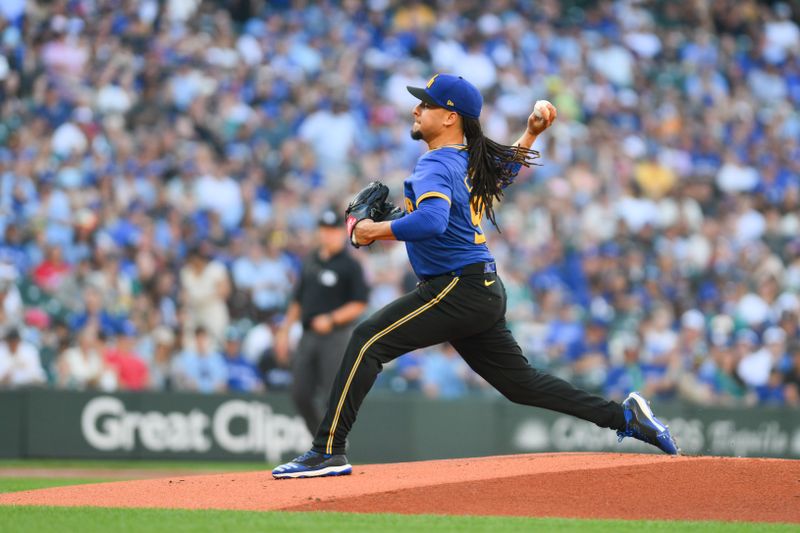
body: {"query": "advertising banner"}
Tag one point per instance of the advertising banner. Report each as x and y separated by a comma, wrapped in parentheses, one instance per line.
(169, 426)
(752, 432)
(390, 428)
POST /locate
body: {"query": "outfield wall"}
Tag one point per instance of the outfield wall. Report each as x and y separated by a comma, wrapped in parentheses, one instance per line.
(48, 423)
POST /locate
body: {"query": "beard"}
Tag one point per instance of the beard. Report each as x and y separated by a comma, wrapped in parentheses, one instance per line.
(416, 135)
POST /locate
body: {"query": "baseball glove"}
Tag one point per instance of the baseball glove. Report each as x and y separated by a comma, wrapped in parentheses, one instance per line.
(388, 211)
(370, 202)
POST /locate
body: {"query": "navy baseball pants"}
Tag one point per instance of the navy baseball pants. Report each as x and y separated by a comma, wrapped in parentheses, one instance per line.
(466, 309)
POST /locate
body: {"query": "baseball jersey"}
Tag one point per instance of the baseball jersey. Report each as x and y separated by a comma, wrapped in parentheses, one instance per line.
(442, 173)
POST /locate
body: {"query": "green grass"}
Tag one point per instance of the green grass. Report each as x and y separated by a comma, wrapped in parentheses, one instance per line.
(15, 484)
(102, 520)
(221, 466)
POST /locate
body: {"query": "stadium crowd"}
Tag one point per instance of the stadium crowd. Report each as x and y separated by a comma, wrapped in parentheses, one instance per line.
(162, 165)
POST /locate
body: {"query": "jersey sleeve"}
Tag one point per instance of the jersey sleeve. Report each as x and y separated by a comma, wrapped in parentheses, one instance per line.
(428, 221)
(434, 182)
(513, 169)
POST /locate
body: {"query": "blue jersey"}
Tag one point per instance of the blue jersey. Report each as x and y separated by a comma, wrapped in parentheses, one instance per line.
(442, 173)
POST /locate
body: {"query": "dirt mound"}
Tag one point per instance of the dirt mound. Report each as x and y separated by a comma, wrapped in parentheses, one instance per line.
(565, 485)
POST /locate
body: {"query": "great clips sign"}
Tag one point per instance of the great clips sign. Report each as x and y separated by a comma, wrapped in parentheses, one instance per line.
(235, 426)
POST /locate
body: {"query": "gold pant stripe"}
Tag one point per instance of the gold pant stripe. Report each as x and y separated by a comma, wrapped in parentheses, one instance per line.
(395, 325)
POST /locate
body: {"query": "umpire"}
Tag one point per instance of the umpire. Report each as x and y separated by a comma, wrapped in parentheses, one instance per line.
(330, 296)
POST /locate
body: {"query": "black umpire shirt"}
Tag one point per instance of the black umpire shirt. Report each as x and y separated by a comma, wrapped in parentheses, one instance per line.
(328, 285)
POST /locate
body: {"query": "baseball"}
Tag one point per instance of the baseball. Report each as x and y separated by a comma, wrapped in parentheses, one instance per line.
(539, 107)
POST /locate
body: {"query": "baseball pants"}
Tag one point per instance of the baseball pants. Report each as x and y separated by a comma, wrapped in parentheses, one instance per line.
(467, 310)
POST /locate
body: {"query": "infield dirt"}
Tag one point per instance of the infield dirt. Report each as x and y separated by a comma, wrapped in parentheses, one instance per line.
(574, 485)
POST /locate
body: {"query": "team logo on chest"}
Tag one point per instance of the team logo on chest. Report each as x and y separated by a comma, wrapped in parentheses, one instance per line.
(328, 278)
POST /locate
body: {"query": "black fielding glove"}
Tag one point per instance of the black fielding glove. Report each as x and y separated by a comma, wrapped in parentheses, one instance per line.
(389, 211)
(368, 203)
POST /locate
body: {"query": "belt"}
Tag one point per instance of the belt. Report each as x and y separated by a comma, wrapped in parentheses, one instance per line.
(469, 270)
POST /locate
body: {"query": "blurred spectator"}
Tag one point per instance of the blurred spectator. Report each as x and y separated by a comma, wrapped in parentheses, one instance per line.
(728, 387)
(773, 391)
(589, 366)
(221, 194)
(332, 151)
(260, 338)
(755, 365)
(200, 367)
(19, 362)
(50, 273)
(131, 371)
(632, 374)
(691, 343)
(242, 374)
(404, 374)
(275, 376)
(444, 373)
(565, 336)
(52, 340)
(161, 364)
(792, 378)
(82, 366)
(11, 304)
(114, 284)
(264, 278)
(95, 316)
(660, 341)
(204, 289)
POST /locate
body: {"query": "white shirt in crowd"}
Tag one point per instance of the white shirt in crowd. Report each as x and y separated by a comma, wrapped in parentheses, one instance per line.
(223, 195)
(754, 368)
(735, 177)
(22, 367)
(331, 150)
(86, 370)
(201, 292)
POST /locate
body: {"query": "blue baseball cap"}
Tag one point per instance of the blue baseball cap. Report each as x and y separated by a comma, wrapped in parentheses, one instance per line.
(451, 92)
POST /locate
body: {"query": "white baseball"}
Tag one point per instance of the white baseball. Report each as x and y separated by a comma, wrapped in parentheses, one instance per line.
(539, 107)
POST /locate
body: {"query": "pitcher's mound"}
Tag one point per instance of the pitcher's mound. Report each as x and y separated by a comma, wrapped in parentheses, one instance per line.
(580, 485)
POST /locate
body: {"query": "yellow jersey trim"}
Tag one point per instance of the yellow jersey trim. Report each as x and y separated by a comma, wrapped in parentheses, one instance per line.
(433, 194)
(392, 327)
(456, 146)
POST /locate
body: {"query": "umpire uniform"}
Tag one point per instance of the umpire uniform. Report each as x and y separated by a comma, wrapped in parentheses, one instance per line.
(330, 281)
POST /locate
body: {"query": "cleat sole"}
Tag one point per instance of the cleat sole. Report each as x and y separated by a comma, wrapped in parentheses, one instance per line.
(342, 470)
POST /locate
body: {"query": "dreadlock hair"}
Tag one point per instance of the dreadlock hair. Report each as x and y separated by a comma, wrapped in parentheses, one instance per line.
(491, 166)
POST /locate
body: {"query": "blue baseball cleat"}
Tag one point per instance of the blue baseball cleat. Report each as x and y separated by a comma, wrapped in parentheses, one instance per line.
(313, 464)
(641, 424)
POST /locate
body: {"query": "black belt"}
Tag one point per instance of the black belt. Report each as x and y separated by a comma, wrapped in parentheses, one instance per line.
(469, 270)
